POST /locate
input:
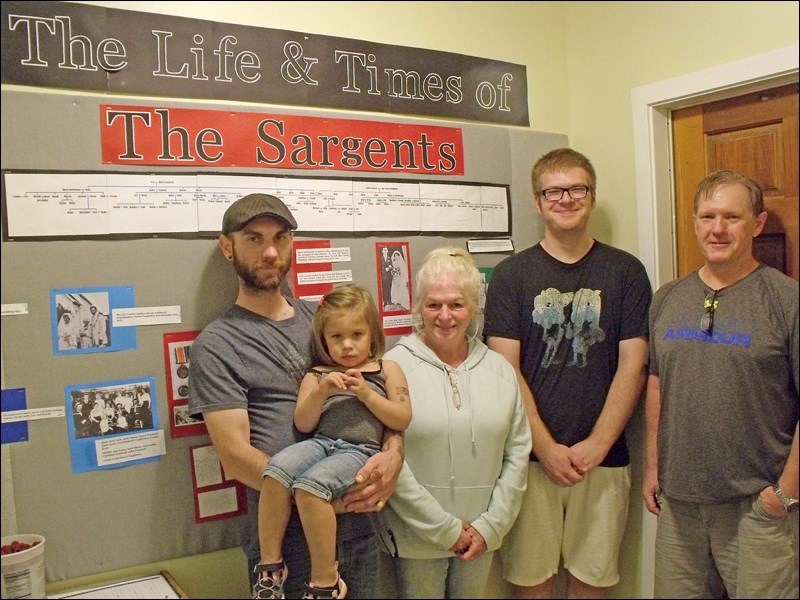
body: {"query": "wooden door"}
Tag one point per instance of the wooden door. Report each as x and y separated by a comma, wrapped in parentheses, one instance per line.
(755, 134)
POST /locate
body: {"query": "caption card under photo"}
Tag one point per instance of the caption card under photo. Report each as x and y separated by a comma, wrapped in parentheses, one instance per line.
(478, 246)
(304, 256)
(112, 424)
(146, 315)
(312, 277)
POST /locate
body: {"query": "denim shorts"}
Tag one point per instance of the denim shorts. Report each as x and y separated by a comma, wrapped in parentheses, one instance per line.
(321, 466)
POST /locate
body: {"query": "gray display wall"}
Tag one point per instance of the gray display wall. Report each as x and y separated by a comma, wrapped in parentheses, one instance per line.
(110, 519)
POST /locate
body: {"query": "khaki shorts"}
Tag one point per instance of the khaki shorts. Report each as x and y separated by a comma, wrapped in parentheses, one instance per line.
(582, 524)
(754, 552)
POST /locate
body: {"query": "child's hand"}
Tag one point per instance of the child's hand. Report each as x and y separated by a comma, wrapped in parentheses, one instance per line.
(333, 382)
(357, 384)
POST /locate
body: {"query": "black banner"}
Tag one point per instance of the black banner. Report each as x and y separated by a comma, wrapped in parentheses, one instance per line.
(76, 46)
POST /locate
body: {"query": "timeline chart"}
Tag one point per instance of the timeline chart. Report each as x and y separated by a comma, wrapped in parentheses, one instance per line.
(97, 204)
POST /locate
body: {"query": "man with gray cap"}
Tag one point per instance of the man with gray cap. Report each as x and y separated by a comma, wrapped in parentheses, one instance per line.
(244, 377)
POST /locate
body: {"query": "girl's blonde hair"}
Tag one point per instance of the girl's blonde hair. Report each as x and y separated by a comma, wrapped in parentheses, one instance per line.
(353, 299)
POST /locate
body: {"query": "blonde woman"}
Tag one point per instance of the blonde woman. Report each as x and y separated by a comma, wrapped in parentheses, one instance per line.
(467, 446)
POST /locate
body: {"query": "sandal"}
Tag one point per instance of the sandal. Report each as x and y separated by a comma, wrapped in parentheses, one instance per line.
(338, 590)
(270, 585)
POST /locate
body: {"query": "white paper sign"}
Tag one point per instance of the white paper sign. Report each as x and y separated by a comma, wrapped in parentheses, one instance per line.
(148, 315)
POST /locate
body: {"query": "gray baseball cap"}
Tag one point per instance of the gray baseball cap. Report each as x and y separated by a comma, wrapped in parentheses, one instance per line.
(247, 208)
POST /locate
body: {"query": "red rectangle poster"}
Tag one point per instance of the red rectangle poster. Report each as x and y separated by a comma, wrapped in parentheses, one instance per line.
(215, 496)
(315, 289)
(177, 351)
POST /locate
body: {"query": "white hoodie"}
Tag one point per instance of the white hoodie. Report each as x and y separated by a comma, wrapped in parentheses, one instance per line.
(468, 464)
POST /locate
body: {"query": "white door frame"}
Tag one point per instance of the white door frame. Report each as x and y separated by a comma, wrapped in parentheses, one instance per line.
(651, 106)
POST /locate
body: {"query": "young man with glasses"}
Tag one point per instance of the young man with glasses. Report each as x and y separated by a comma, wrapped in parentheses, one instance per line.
(721, 463)
(570, 314)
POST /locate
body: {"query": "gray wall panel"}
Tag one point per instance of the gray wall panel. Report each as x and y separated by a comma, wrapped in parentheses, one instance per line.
(115, 518)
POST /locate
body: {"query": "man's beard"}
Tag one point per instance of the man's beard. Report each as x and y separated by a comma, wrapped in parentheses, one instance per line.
(252, 279)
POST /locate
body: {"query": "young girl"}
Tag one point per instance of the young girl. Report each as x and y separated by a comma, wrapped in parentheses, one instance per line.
(345, 401)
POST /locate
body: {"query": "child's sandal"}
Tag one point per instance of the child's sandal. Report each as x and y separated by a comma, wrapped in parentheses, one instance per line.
(270, 586)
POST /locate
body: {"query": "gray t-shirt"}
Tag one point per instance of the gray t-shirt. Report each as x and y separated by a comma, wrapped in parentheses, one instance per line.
(345, 417)
(729, 400)
(244, 360)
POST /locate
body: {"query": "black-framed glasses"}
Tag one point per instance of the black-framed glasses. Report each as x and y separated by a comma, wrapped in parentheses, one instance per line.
(710, 304)
(576, 192)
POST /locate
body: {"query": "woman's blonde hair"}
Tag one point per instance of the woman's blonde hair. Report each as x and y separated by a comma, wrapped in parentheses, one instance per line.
(455, 262)
(353, 299)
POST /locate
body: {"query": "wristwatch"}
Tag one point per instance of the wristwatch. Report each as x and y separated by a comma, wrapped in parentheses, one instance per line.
(789, 503)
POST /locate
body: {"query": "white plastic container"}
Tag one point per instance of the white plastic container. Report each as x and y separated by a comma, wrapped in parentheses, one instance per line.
(23, 572)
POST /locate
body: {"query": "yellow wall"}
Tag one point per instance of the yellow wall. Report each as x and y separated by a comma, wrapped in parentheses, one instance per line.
(582, 58)
(613, 47)
(529, 33)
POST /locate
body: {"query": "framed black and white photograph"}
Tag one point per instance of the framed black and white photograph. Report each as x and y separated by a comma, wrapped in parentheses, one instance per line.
(394, 276)
(112, 424)
(81, 320)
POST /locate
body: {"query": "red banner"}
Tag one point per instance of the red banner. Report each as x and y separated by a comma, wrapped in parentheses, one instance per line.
(184, 137)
